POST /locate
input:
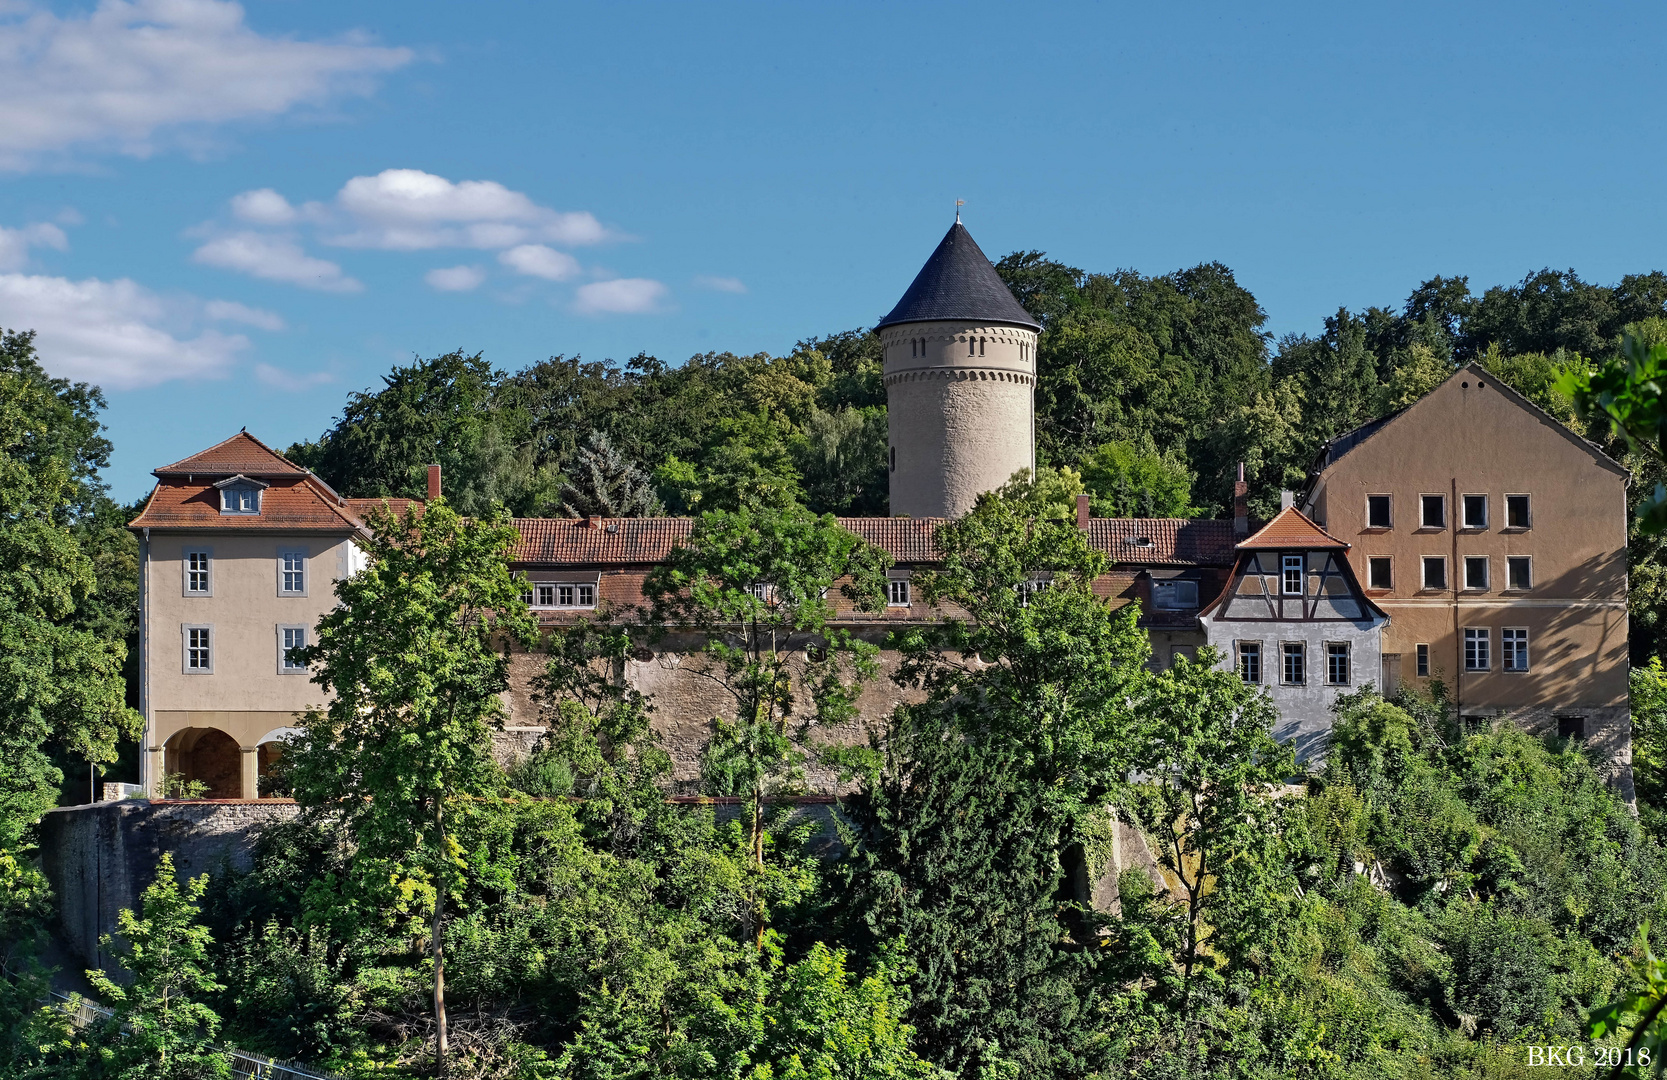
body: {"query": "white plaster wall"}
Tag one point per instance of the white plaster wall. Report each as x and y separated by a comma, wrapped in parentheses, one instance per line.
(960, 424)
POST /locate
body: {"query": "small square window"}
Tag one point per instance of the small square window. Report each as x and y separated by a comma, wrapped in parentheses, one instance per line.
(1250, 661)
(1337, 663)
(197, 570)
(1513, 648)
(1571, 727)
(897, 592)
(1516, 512)
(1476, 651)
(1292, 565)
(587, 596)
(1475, 511)
(1423, 661)
(546, 595)
(1519, 570)
(291, 638)
(1293, 654)
(1379, 572)
(1377, 512)
(1435, 572)
(1432, 511)
(1476, 572)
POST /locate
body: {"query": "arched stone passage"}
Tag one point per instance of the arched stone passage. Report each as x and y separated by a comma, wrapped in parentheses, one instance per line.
(208, 755)
(268, 751)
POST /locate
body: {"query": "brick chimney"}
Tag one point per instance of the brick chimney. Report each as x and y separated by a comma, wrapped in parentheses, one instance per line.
(594, 521)
(433, 482)
(1082, 511)
(1241, 505)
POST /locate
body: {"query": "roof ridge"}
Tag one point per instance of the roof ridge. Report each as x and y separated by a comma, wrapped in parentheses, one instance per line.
(184, 464)
(1293, 536)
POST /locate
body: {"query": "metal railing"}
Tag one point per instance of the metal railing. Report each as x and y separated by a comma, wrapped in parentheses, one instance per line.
(84, 1013)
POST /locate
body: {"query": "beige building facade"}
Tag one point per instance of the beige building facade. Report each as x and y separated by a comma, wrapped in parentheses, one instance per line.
(1496, 541)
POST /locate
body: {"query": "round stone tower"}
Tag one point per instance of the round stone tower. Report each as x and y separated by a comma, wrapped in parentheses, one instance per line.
(960, 376)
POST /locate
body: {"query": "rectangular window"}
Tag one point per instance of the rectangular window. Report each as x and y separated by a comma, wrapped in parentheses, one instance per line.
(1476, 572)
(1475, 511)
(1513, 648)
(1337, 663)
(197, 580)
(240, 499)
(560, 594)
(1519, 570)
(1250, 661)
(1294, 654)
(1432, 511)
(291, 638)
(545, 595)
(1379, 572)
(1476, 656)
(897, 592)
(1571, 727)
(1516, 512)
(1292, 565)
(1435, 572)
(587, 596)
(199, 649)
(1423, 667)
(1377, 512)
(292, 573)
(1175, 595)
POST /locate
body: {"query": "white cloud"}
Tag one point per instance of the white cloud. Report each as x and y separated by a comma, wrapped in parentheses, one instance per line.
(274, 258)
(263, 207)
(536, 260)
(232, 311)
(15, 243)
(279, 379)
(621, 296)
(721, 284)
(125, 73)
(114, 333)
(455, 278)
(410, 210)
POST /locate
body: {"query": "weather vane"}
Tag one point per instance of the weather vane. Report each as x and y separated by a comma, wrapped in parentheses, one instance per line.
(958, 204)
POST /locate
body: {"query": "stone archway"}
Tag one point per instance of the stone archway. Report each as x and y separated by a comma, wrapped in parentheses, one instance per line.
(207, 755)
(267, 753)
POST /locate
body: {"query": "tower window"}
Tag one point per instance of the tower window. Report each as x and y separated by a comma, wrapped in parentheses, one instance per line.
(972, 346)
(980, 346)
(894, 459)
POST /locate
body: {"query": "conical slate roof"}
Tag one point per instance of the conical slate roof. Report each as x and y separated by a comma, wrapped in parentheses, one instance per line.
(959, 283)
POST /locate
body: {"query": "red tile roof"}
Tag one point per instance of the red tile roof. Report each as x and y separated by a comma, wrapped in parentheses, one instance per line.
(1145, 541)
(242, 453)
(1291, 529)
(287, 505)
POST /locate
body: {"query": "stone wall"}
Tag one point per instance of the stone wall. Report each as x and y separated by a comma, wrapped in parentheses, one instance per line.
(100, 857)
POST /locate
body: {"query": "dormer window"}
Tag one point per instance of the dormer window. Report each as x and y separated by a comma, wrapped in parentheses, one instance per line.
(240, 495)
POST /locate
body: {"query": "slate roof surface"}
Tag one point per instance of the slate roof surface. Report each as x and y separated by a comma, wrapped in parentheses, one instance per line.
(1290, 528)
(574, 542)
(242, 453)
(287, 505)
(958, 282)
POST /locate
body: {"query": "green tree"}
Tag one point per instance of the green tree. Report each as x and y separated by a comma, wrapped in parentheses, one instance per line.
(161, 1028)
(842, 457)
(410, 656)
(1624, 395)
(1126, 482)
(757, 586)
(605, 482)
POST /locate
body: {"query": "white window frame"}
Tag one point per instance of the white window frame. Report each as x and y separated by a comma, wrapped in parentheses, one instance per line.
(185, 630)
(306, 571)
(1424, 572)
(1513, 649)
(1479, 658)
(1287, 563)
(1487, 573)
(1464, 511)
(1509, 495)
(1511, 584)
(1390, 499)
(1302, 661)
(284, 667)
(898, 592)
(561, 595)
(238, 490)
(1243, 650)
(1374, 560)
(185, 571)
(1422, 523)
(1348, 663)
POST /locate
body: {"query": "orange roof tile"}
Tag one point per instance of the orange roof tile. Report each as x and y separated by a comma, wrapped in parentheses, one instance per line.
(1290, 528)
(287, 505)
(242, 453)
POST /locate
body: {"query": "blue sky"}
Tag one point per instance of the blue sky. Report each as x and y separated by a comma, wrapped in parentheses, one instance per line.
(234, 216)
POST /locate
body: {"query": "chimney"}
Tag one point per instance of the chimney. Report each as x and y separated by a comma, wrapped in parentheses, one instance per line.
(433, 482)
(1241, 505)
(594, 521)
(1287, 499)
(1082, 511)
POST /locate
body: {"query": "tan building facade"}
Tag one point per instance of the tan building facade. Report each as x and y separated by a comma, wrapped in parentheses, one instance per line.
(1496, 541)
